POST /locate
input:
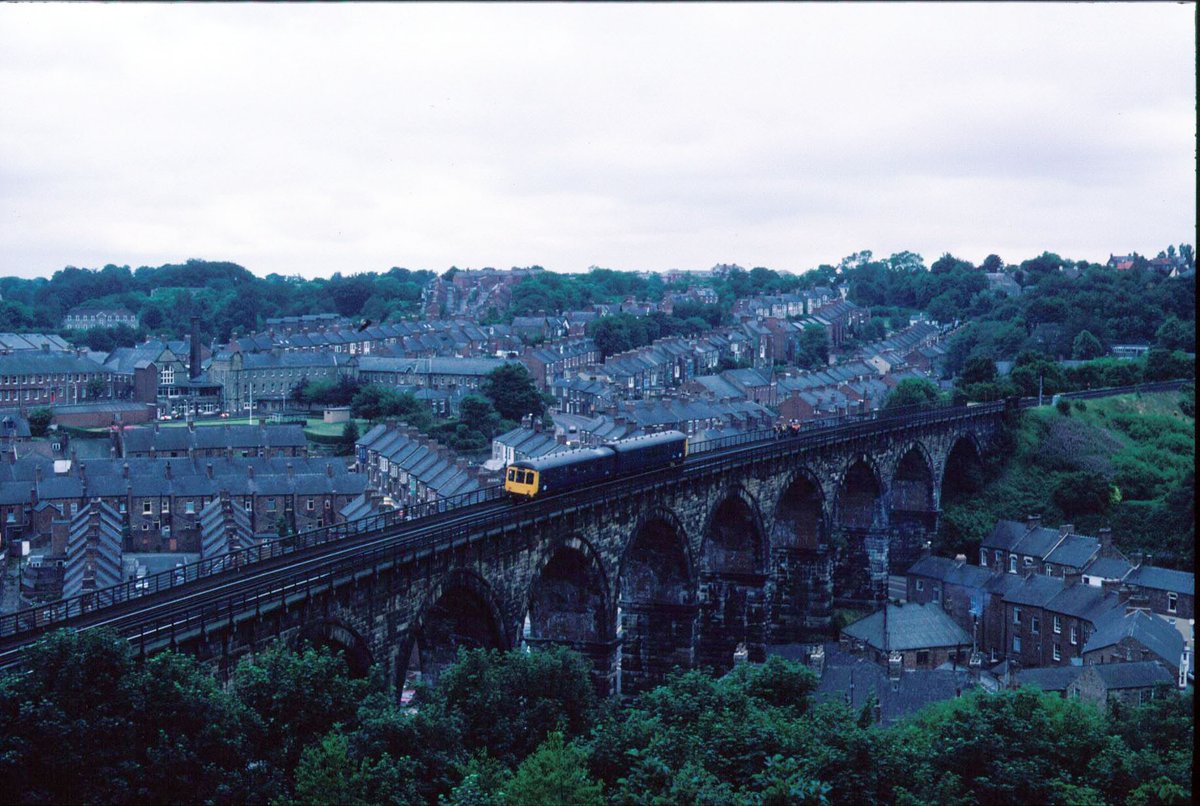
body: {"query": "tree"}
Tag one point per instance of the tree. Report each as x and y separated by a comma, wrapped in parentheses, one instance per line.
(812, 347)
(556, 774)
(1082, 493)
(512, 391)
(479, 414)
(349, 437)
(509, 703)
(1174, 334)
(39, 421)
(912, 392)
(992, 264)
(978, 369)
(295, 698)
(1085, 347)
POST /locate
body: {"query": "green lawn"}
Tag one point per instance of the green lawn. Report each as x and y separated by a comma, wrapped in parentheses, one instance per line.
(318, 427)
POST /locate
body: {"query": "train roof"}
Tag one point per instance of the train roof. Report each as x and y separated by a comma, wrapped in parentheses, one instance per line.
(561, 459)
(661, 438)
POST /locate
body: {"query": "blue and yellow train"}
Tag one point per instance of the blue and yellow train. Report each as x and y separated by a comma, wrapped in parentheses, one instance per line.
(529, 478)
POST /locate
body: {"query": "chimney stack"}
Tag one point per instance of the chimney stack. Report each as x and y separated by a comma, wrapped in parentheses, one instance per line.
(1071, 578)
(1136, 601)
(895, 664)
(959, 560)
(167, 471)
(208, 470)
(1033, 521)
(194, 351)
(1066, 529)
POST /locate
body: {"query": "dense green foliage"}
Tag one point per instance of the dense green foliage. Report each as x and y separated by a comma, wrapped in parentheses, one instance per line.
(616, 334)
(1126, 462)
(89, 724)
(225, 296)
(912, 393)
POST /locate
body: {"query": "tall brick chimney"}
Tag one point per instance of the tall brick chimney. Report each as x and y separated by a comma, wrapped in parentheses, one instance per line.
(194, 352)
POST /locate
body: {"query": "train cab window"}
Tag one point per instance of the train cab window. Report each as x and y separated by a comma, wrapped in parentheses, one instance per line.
(512, 474)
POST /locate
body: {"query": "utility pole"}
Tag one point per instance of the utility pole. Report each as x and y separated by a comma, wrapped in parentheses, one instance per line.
(1039, 388)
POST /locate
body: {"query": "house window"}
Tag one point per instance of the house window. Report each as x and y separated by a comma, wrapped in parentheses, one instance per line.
(1016, 643)
(1049, 570)
(1028, 562)
(1057, 651)
(121, 507)
(270, 505)
(166, 505)
(310, 505)
(1172, 602)
(1057, 625)
(983, 557)
(937, 594)
(1034, 623)
(920, 584)
(189, 507)
(1012, 563)
(1016, 615)
(147, 508)
(922, 657)
(249, 505)
(1074, 635)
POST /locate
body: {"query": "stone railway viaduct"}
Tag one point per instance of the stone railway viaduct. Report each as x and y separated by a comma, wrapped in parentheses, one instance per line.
(744, 547)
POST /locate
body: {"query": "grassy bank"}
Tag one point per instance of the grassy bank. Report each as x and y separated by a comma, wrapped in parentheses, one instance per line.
(1125, 462)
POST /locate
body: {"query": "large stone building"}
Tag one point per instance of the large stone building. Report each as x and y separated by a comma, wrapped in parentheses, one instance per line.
(35, 378)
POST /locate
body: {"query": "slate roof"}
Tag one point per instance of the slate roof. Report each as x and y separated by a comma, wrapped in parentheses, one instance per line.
(912, 626)
(1038, 542)
(1138, 674)
(1147, 629)
(37, 362)
(1005, 535)
(1166, 579)
(225, 436)
(1108, 568)
(951, 572)
(849, 677)
(1074, 551)
(98, 527)
(1035, 590)
(1082, 601)
(432, 366)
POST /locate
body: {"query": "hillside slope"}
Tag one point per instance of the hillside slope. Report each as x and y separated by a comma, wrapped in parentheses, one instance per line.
(1127, 462)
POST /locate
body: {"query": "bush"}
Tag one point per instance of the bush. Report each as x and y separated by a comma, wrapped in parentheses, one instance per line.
(1064, 407)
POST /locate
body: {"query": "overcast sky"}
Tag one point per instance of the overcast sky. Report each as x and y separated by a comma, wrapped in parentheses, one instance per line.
(314, 139)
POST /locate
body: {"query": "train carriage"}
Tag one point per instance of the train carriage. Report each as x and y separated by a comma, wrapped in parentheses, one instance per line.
(529, 478)
(559, 471)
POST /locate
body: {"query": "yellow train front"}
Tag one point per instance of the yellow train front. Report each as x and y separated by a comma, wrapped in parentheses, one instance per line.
(529, 478)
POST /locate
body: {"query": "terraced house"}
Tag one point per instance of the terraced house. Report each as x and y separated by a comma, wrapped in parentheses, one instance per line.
(43, 378)
(159, 500)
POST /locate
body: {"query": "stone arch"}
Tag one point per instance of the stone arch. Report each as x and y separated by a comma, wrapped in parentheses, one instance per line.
(656, 596)
(736, 515)
(858, 503)
(912, 487)
(800, 589)
(733, 563)
(961, 479)
(912, 507)
(800, 520)
(568, 604)
(460, 611)
(336, 634)
(965, 454)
